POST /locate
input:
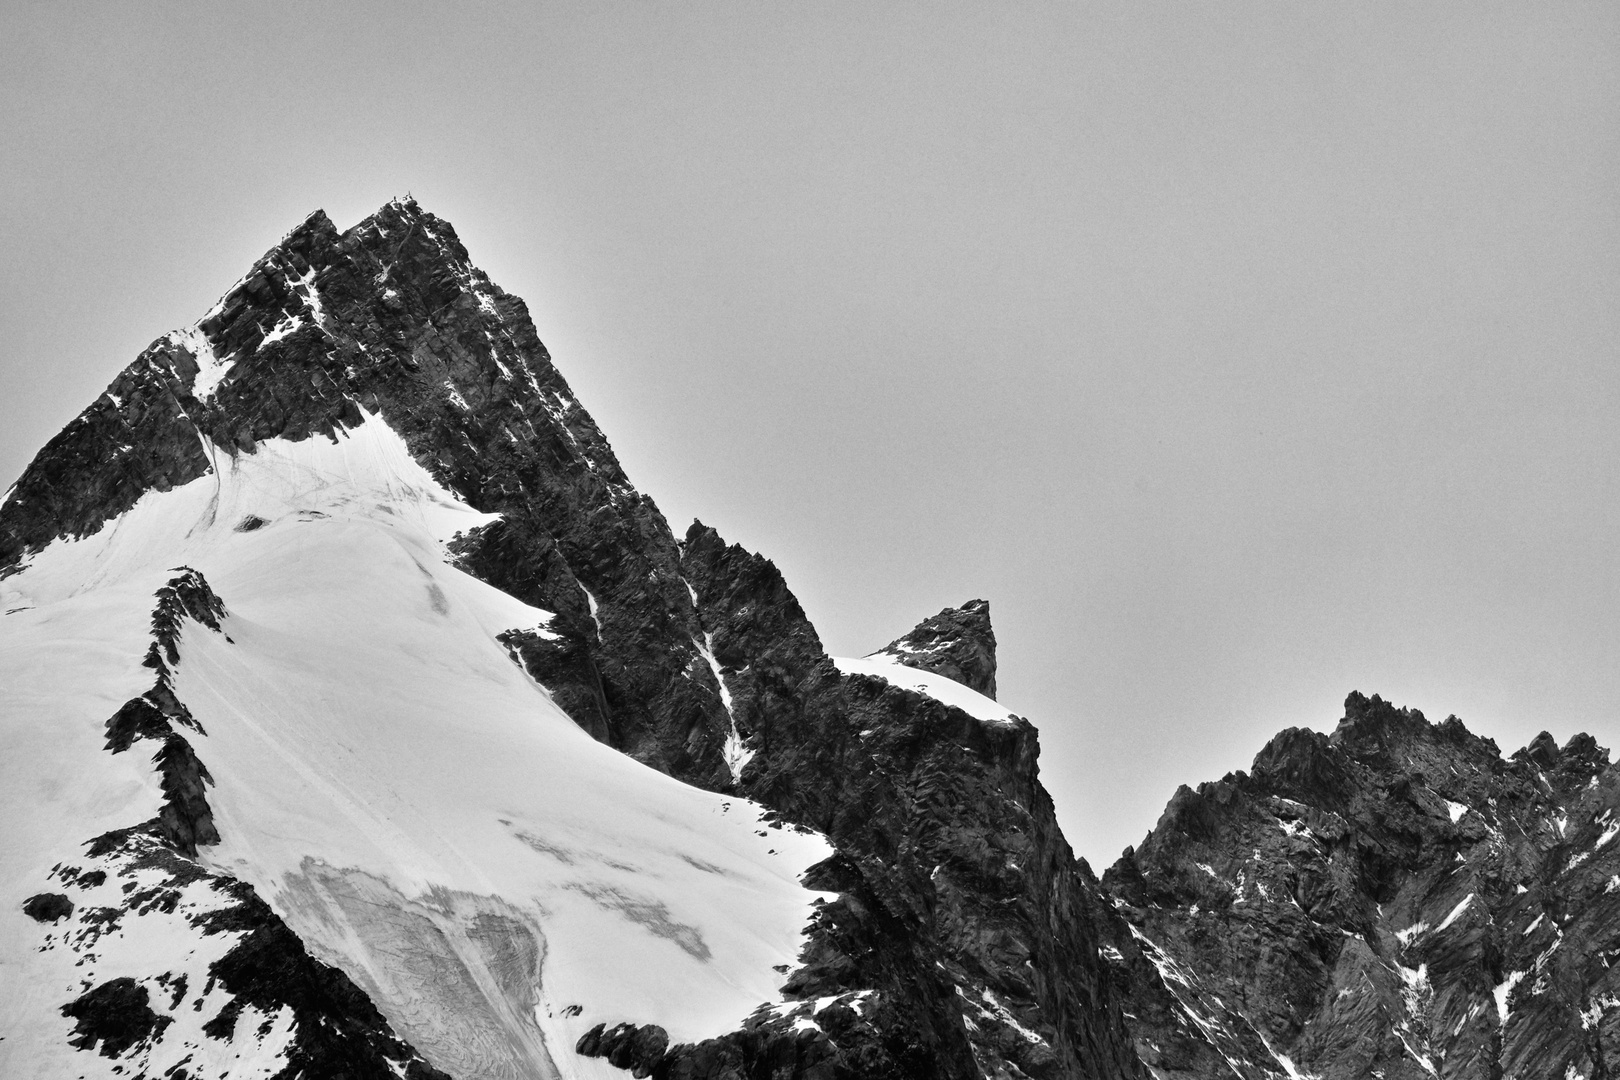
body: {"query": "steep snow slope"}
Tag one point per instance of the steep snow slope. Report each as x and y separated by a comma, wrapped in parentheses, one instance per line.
(403, 794)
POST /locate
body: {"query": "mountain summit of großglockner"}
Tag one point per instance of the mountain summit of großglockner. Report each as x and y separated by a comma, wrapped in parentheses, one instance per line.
(391, 321)
(362, 719)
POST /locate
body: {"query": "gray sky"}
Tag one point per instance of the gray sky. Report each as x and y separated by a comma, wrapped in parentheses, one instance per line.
(1241, 354)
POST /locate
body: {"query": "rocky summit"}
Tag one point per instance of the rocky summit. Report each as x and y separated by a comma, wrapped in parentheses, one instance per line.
(363, 720)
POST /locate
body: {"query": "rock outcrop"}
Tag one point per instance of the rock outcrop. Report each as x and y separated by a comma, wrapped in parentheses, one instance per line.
(144, 882)
(958, 643)
(1392, 900)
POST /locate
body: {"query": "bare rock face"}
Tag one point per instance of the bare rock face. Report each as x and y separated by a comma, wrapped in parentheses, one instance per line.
(958, 643)
(1392, 900)
(114, 1017)
(158, 715)
(48, 907)
(963, 940)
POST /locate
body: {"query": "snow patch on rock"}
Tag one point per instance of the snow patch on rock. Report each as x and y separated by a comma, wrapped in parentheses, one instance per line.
(946, 691)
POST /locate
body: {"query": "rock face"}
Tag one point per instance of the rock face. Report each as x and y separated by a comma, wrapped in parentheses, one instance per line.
(958, 643)
(185, 820)
(144, 882)
(960, 937)
(1392, 900)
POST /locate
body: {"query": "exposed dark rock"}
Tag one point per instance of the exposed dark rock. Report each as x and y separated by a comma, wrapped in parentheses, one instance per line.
(337, 1031)
(639, 1049)
(958, 643)
(184, 596)
(1300, 764)
(391, 317)
(1360, 902)
(138, 718)
(47, 907)
(185, 818)
(845, 1040)
(117, 1015)
(961, 941)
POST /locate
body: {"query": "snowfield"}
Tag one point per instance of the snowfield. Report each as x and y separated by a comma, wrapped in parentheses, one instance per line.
(399, 791)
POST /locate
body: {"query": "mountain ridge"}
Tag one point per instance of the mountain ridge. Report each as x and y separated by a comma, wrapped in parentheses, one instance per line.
(467, 765)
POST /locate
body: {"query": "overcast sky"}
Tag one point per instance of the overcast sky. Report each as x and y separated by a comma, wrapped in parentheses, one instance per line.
(1240, 354)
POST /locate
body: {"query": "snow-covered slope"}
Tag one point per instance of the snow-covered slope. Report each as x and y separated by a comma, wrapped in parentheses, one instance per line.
(943, 690)
(403, 795)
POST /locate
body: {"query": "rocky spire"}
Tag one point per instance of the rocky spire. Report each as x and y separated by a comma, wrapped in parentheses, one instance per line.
(958, 643)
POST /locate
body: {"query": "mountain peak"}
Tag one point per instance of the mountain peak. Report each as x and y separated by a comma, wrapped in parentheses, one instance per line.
(404, 596)
(1366, 902)
(389, 316)
(958, 643)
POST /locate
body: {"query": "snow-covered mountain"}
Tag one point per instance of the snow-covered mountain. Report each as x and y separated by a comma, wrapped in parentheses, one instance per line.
(361, 719)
